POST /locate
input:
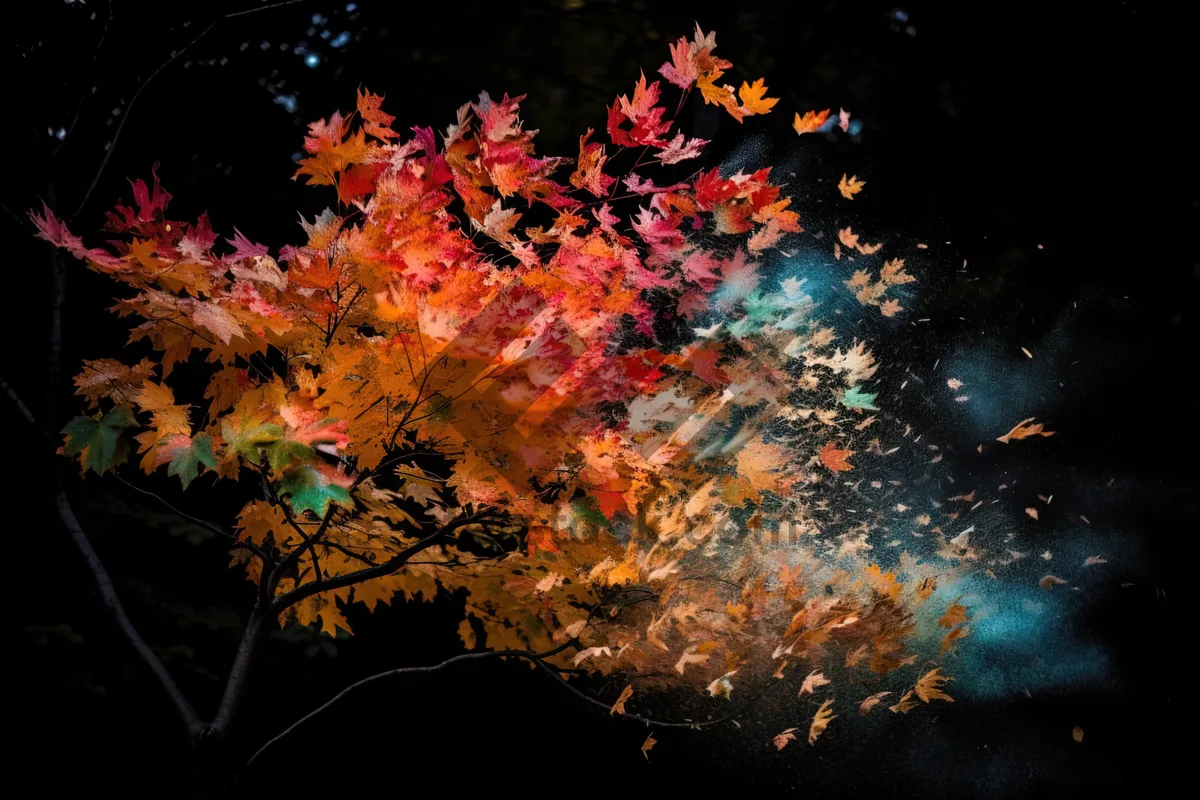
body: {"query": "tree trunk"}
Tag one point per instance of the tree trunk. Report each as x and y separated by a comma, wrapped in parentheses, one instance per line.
(210, 777)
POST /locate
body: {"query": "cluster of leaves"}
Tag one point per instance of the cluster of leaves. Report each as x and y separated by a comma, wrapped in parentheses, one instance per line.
(606, 428)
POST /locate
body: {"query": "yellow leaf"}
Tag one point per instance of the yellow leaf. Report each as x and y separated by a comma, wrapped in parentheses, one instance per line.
(929, 686)
(752, 98)
(850, 186)
(820, 721)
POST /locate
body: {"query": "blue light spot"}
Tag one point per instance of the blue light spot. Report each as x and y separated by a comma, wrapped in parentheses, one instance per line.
(312, 60)
(351, 7)
(341, 40)
(855, 128)
(288, 101)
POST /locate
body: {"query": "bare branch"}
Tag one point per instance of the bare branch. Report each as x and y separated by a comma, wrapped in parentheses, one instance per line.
(175, 55)
(108, 595)
(526, 654)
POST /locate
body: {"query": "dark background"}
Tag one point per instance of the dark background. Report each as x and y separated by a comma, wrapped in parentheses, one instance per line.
(998, 127)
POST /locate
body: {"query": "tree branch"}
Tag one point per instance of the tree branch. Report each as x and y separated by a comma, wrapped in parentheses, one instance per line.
(526, 654)
(392, 565)
(239, 672)
(104, 584)
(175, 55)
(108, 595)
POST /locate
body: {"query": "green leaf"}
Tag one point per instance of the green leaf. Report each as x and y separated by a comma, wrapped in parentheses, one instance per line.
(285, 451)
(588, 510)
(251, 441)
(187, 461)
(311, 490)
(97, 440)
(857, 398)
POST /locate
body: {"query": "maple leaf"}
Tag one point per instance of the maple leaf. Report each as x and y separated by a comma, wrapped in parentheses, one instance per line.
(906, 703)
(821, 721)
(540, 537)
(850, 186)
(1023, 430)
(187, 459)
(834, 459)
(929, 687)
(681, 148)
(690, 656)
(872, 701)
(890, 307)
(619, 706)
(854, 397)
(753, 101)
(647, 745)
(893, 273)
(109, 378)
(97, 440)
(783, 739)
(811, 121)
(814, 680)
(377, 123)
(589, 169)
(310, 488)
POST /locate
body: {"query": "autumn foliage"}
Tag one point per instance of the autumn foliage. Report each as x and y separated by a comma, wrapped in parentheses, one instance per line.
(579, 397)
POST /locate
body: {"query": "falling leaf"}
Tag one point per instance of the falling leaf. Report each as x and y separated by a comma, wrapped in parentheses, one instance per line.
(906, 703)
(890, 307)
(1092, 561)
(619, 706)
(820, 721)
(648, 745)
(722, 686)
(753, 101)
(929, 686)
(1027, 353)
(1023, 430)
(1077, 733)
(834, 459)
(1033, 512)
(954, 383)
(850, 186)
(814, 680)
(781, 741)
(811, 121)
(1050, 581)
(690, 656)
(871, 702)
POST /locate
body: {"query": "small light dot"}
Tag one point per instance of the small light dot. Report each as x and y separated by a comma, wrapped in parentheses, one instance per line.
(312, 60)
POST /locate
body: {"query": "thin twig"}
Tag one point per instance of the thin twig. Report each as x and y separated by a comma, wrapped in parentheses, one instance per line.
(401, 671)
(175, 54)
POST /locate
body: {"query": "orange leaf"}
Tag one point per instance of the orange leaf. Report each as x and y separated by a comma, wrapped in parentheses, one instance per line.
(850, 186)
(1023, 430)
(619, 706)
(753, 101)
(834, 459)
(810, 121)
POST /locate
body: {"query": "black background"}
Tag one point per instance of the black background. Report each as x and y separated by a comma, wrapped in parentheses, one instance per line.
(996, 126)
